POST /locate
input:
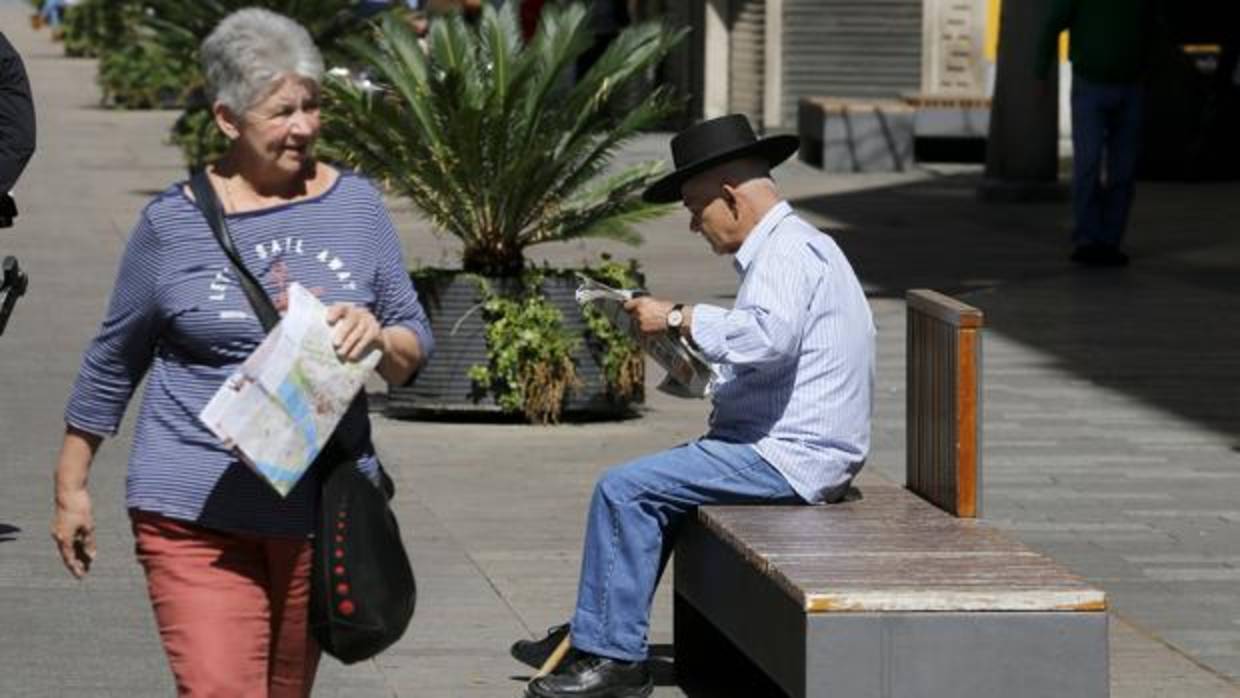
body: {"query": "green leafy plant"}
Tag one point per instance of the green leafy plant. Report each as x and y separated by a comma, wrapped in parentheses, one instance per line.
(140, 75)
(493, 139)
(530, 356)
(622, 359)
(94, 27)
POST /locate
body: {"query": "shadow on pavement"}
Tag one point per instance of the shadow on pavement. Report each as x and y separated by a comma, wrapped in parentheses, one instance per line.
(8, 533)
(1164, 330)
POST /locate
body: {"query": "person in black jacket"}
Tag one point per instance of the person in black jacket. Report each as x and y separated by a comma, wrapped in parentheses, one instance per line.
(16, 147)
(17, 130)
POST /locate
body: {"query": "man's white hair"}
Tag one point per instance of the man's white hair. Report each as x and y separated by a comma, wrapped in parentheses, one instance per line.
(250, 50)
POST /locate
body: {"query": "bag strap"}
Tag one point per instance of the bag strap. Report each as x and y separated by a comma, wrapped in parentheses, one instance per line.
(204, 197)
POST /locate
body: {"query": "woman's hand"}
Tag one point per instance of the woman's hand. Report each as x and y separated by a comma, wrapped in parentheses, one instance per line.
(73, 529)
(355, 331)
(73, 522)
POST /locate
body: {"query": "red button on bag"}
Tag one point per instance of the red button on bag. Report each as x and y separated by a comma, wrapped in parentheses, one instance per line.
(339, 525)
(339, 570)
(345, 607)
(342, 589)
(339, 553)
(339, 538)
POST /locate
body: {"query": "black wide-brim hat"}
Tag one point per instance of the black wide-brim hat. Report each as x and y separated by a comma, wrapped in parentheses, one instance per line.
(714, 142)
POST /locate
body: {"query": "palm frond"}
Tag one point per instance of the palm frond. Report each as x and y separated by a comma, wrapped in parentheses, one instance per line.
(494, 139)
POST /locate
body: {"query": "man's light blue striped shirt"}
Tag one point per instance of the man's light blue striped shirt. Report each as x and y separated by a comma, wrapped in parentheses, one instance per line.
(794, 356)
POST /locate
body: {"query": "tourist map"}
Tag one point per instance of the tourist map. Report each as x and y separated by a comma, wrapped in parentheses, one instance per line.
(279, 408)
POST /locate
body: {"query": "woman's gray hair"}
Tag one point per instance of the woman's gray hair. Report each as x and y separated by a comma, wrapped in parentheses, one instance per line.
(251, 49)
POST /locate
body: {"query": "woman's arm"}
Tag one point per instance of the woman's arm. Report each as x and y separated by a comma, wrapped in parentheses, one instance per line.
(73, 523)
(402, 355)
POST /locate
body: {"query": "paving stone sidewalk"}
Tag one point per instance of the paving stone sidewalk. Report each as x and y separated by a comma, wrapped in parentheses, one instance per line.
(1111, 418)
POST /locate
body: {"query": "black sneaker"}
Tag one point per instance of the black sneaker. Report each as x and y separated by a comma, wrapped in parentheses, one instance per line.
(535, 652)
(592, 676)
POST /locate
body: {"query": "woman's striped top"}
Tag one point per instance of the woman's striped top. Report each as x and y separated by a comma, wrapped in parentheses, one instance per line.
(178, 314)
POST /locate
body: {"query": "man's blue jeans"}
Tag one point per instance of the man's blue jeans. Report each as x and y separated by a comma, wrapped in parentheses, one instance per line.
(1106, 120)
(635, 513)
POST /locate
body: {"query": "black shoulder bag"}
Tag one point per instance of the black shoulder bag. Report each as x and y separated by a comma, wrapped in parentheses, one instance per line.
(362, 590)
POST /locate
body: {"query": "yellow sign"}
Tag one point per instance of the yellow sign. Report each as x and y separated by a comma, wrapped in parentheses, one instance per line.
(992, 34)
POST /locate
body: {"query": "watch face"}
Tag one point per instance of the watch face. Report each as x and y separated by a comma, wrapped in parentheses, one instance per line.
(674, 318)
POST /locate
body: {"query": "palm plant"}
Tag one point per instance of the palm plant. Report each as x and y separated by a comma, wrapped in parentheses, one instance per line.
(493, 139)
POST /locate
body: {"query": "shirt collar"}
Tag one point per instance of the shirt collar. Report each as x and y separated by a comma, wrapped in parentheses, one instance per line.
(759, 234)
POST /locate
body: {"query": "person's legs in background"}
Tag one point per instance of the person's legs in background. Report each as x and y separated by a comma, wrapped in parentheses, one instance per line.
(1088, 129)
(1123, 146)
(52, 11)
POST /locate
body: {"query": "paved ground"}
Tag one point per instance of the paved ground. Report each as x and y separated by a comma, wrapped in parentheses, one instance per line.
(1111, 419)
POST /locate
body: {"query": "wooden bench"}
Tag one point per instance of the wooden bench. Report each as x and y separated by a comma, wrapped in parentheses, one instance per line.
(890, 596)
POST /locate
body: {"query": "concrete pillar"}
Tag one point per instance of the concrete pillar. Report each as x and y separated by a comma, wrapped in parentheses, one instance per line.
(1022, 159)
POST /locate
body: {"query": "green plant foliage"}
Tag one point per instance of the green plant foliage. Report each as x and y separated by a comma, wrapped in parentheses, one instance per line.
(196, 134)
(148, 52)
(622, 358)
(493, 139)
(94, 27)
(141, 75)
(530, 355)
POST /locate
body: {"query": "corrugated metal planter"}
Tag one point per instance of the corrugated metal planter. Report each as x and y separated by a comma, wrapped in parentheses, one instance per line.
(443, 388)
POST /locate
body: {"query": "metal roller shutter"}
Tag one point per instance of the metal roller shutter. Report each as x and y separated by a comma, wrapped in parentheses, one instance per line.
(746, 58)
(849, 48)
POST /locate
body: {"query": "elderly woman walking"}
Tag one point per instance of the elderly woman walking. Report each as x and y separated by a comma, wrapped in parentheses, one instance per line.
(226, 558)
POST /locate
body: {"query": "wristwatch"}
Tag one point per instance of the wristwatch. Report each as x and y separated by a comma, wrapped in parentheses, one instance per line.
(676, 317)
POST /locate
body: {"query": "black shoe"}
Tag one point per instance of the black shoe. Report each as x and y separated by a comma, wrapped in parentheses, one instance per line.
(592, 676)
(1097, 254)
(535, 652)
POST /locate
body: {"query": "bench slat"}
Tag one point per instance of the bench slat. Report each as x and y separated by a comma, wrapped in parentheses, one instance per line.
(944, 401)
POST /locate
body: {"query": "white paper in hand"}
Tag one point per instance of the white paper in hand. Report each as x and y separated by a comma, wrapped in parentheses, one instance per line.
(688, 372)
(279, 409)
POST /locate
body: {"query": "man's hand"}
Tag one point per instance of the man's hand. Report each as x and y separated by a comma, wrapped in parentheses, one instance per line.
(649, 313)
(73, 529)
(354, 331)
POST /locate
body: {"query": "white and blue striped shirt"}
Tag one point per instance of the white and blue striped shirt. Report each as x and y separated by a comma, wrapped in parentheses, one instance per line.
(178, 314)
(795, 356)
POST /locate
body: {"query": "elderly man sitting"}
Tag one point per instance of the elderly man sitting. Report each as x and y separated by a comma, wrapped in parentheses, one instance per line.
(791, 421)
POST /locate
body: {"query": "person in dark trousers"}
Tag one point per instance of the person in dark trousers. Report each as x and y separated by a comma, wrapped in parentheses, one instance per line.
(1111, 42)
(17, 129)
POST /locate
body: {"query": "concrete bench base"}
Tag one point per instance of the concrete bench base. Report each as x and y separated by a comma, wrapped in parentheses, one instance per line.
(856, 135)
(950, 116)
(730, 595)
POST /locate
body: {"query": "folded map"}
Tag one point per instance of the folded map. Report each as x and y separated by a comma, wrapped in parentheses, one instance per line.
(279, 408)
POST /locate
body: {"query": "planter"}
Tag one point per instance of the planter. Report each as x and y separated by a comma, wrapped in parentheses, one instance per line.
(443, 388)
